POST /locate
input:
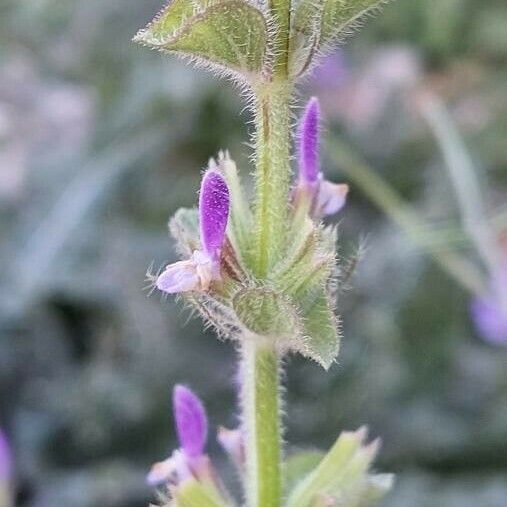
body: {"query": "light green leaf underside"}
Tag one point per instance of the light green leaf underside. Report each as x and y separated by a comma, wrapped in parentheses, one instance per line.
(231, 33)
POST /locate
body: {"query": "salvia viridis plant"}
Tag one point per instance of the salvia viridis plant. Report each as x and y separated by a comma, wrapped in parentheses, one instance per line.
(262, 269)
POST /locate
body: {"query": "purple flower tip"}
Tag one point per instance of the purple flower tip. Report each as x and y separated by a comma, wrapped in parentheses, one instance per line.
(489, 312)
(213, 212)
(490, 319)
(309, 143)
(5, 459)
(191, 421)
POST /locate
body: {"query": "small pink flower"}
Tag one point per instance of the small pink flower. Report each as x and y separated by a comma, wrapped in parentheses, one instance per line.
(324, 197)
(197, 273)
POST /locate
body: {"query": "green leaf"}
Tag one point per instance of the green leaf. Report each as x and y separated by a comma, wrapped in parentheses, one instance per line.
(230, 33)
(340, 15)
(320, 327)
(340, 473)
(317, 25)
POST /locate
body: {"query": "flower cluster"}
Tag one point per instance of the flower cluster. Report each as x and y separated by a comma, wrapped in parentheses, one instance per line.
(216, 275)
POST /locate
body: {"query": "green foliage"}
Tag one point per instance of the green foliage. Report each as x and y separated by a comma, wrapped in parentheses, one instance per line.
(230, 34)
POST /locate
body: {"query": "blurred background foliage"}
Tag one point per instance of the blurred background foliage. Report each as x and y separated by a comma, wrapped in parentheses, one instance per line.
(100, 141)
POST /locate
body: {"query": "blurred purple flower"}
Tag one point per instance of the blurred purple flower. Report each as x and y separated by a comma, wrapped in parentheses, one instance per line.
(324, 197)
(192, 430)
(360, 96)
(191, 421)
(331, 72)
(5, 460)
(489, 313)
(197, 273)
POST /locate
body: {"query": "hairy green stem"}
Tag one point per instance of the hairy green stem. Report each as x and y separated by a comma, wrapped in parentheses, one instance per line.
(260, 387)
(272, 155)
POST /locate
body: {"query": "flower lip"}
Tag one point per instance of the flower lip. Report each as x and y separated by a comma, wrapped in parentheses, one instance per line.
(213, 212)
(191, 421)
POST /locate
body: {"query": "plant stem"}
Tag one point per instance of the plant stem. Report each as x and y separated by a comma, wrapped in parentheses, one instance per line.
(261, 413)
(272, 154)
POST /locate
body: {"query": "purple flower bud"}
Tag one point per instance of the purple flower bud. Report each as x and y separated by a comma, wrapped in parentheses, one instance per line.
(213, 212)
(309, 169)
(197, 273)
(191, 421)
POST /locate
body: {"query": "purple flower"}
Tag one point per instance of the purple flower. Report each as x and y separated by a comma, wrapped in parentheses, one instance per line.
(192, 429)
(489, 312)
(197, 273)
(5, 460)
(322, 197)
(191, 421)
(309, 169)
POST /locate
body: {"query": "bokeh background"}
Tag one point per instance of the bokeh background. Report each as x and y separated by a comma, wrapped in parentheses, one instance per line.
(101, 141)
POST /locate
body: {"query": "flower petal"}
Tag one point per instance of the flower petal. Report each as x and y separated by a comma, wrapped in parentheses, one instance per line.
(179, 277)
(331, 197)
(191, 421)
(213, 212)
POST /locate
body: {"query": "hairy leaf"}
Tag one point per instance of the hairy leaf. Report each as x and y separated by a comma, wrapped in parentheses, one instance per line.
(317, 24)
(230, 33)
